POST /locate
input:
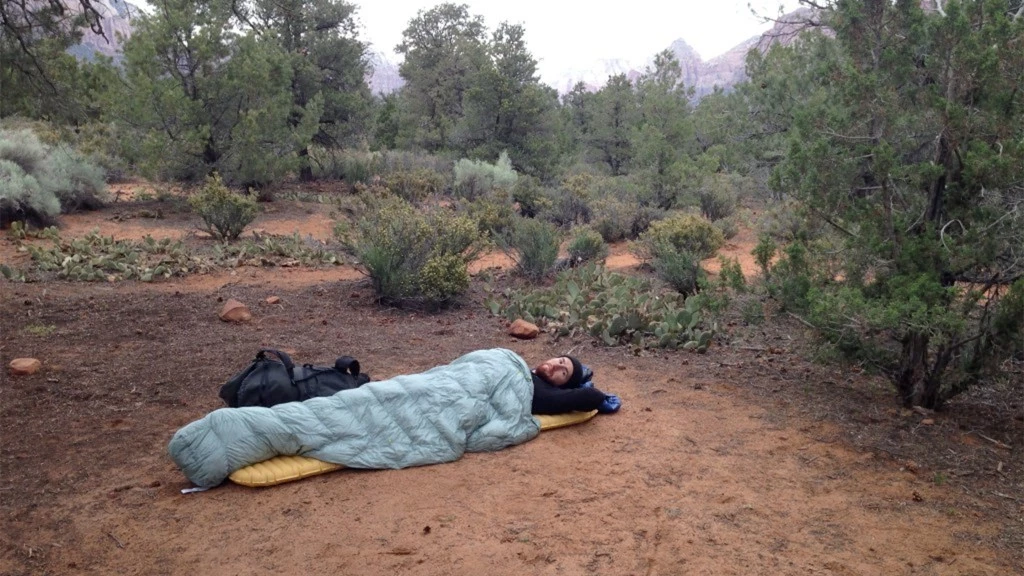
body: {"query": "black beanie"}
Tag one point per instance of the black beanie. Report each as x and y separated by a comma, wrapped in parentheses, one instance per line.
(577, 373)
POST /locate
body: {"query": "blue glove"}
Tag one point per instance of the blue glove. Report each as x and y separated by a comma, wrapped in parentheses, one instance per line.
(611, 404)
(587, 384)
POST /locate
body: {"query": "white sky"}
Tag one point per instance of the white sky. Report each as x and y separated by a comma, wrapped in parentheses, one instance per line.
(563, 35)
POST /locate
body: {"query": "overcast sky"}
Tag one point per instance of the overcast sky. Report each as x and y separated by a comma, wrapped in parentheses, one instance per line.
(564, 34)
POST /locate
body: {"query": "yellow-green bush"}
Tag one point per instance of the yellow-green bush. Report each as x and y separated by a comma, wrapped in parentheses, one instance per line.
(443, 278)
(494, 216)
(224, 213)
(415, 185)
(680, 233)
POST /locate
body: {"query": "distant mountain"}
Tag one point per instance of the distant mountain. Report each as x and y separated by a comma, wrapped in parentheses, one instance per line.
(724, 71)
(383, 76)
(595, 74)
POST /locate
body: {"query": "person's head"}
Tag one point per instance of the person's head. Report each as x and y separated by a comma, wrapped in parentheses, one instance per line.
(561, 371)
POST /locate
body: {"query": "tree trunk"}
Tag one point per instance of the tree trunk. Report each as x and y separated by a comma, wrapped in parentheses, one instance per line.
(911, 375)
(305, 169)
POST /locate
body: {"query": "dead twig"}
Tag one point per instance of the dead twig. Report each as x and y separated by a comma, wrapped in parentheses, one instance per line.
(116, 541)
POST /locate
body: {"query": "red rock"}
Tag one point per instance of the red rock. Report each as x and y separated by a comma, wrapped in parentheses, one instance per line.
(273, 300)
(523, 330)
(25, 366)
(235, 311)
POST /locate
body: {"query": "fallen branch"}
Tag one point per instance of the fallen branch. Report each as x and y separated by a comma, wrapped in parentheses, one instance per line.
(802, 321)
(994, 441)
(116, 541)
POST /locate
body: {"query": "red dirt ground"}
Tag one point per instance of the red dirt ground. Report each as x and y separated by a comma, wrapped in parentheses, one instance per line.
(723, 463)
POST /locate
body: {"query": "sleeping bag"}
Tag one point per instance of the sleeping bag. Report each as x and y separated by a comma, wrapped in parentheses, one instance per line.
(479, 402)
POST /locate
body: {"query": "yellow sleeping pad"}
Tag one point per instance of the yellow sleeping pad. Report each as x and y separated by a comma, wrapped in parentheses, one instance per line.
(281, 469)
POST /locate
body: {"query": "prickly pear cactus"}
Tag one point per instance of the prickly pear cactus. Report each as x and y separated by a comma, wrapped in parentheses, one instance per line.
(613, 308)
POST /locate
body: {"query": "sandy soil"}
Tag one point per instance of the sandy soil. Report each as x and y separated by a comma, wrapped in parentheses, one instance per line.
(717, 464)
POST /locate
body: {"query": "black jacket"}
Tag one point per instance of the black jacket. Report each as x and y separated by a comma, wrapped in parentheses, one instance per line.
(549, 399)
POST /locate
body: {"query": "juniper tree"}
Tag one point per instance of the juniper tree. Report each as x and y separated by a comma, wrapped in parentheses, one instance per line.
(906, 138)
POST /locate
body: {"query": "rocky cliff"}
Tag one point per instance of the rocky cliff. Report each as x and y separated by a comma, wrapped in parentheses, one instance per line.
(116, 19)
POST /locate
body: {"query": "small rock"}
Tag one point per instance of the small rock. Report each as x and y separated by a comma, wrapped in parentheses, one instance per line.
(235, 311)
(273, 300)
(25, 366)
(523, 330)
(928, 422)
(620, 366)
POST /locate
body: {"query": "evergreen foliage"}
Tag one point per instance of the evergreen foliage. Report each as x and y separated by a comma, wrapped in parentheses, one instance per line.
(905, 141)
(533, 245)
(587, 246)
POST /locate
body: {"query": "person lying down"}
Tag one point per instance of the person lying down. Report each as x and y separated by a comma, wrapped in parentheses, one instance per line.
(482, 401)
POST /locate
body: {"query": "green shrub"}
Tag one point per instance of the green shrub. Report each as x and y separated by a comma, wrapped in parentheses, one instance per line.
(476, 178)
(789, 221)
(680, 270)
(763, 254)
(587, 246)
(415, 255)
(415, 185)
(752, 312)
(729, 227)
(351, 166)
(22, 199)
(494, 216)
(78, 183)
(36, 177)
(107, 145)
(403, 160)
(23, 148)
(643, 218)
(224, 213)
(791, 277)
(570, 203)
(533, 245)
(613, 218)
(682, 233)
(718, 197)
(731, 274)
(529, 195)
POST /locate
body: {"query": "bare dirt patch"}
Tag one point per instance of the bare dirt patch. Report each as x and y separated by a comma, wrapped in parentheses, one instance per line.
(747, 460)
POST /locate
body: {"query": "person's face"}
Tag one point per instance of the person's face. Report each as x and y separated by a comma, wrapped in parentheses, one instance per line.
(556, 371)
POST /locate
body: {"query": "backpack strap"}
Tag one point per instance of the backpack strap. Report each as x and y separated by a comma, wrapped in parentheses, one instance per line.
(284, 358)
(347, 364)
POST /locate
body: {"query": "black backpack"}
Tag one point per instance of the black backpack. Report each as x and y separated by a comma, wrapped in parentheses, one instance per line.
(268, 382)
